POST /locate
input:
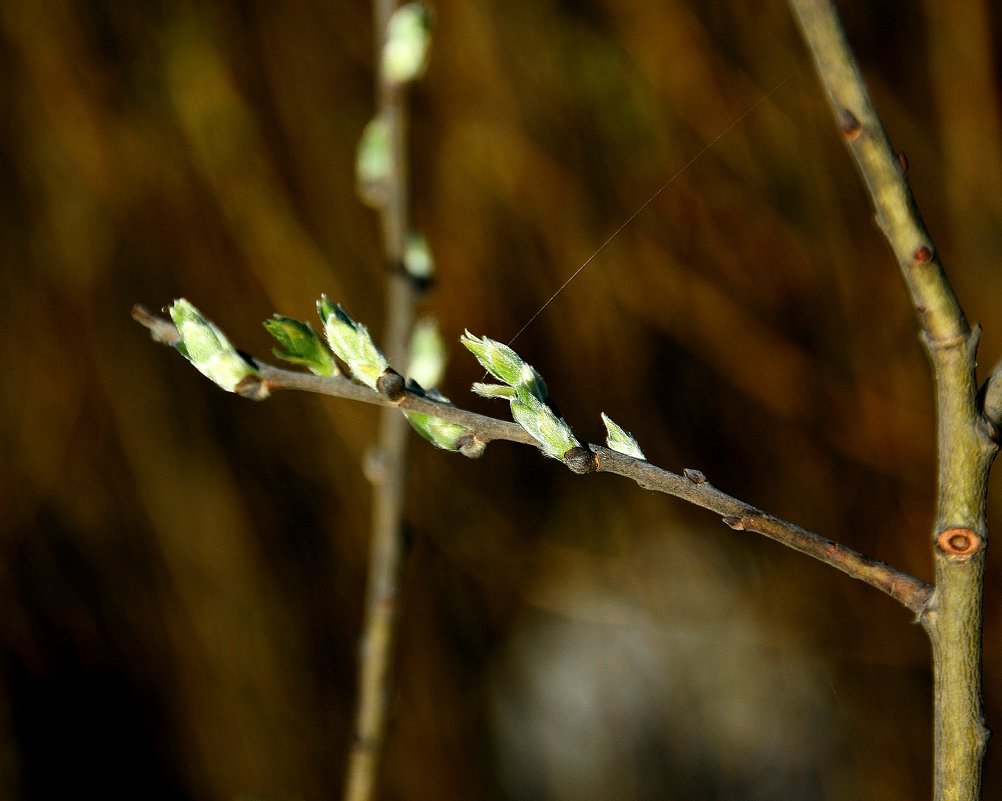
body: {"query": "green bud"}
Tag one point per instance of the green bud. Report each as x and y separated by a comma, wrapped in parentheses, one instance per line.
(440, 433)
(417, 258)
(351, 343)
(301, 345)
(206, 347)
(405, 53)
(552, 433)
(621, 440)
(504, 364)
(373, 162)
(427, 354)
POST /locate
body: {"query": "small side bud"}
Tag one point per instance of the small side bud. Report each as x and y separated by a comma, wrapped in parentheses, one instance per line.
(427, 354)
(418, 261)
(373, 163)
(207, 348)
(440, 433)
(621, 440)
(351, 343)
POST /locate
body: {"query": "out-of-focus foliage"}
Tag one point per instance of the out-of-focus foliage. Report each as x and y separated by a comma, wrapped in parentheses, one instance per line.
(181, 571)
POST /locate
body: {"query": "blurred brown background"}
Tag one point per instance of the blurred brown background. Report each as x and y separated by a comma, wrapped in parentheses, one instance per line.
(182, 571)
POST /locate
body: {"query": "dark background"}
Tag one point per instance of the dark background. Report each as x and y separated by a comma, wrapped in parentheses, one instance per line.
(182, 570)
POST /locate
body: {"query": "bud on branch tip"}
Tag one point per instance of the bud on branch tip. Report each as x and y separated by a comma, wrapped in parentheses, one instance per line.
(207, 348)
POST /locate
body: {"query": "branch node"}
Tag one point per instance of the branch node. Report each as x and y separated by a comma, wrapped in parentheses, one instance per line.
(922, 255)
(735, 522)
(580, 460)
(253, 387)
(849, 124)
(470, 445)
(694, 476)
(959, 544)
(391, 385)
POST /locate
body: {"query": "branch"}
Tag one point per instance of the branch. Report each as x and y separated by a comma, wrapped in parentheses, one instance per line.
(389, 196)
(691, 486)
(966, 444)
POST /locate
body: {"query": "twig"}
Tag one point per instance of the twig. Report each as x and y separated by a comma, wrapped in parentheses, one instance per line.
(966, 444)
(691, 486)
(386, 550)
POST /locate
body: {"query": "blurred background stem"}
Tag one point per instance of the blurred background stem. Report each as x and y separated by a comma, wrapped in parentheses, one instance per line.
(388, 467)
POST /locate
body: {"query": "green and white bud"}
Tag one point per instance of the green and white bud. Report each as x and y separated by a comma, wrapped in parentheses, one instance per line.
(374, 162)
(552, 433)
(440, 433)
(427, 354)
(504, 364)
(417, 258)
(301, 345)
(621, 440)
(408, 37)
(207, 348)
(351, 343)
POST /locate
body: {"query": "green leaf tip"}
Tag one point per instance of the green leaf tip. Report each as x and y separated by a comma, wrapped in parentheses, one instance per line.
(408, 37)
(207, 348)
(621, 440)
(301, 345)
(351, 343)
(505, 364)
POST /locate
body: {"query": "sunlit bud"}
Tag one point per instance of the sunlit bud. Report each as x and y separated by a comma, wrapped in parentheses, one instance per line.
(351, 343)
(417, 258)
(554, 436)
(621, 440)
(427, 354)
(504, 364)
(300, 344)
(440, 433)
(408, 36)
(206, 347)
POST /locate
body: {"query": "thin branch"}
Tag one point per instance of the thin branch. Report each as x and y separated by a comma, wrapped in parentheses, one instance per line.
(691, 486)
(386, 550)
(966, 446)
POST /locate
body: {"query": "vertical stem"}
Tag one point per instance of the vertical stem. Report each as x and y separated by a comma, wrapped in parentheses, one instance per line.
(387, 552)
(966, 445)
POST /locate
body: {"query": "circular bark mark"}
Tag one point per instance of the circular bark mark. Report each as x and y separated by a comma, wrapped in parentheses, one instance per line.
(850, 125)
(958, 543)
